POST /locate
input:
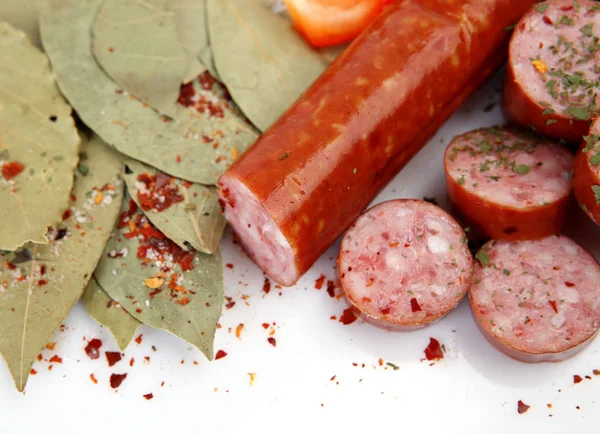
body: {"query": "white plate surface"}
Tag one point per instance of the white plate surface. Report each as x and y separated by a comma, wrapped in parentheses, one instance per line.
(314, 379)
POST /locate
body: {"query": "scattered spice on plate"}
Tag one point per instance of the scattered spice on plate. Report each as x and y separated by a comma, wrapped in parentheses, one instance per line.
(112, 357)
(331, 288)
(577, 379)
(252, 376)
(138, 340)
(347, 316)
(116, 380)
(522, 407)
(10, 169)
(434, 350)
(220, 354)
(319, 282)
(55, 359)
(92, 348)
(50, 345)
(272, 341)
(238, 330)
(93, 378)
(148, 396)
(267, 286)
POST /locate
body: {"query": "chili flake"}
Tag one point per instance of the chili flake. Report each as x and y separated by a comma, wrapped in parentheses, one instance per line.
(11, 169)
(112, 357)
(157, 192)
(347, 316)
(116, 380)
(92, 348)
(272, 341)
(434, 350)
(522, 407)
(220, 354)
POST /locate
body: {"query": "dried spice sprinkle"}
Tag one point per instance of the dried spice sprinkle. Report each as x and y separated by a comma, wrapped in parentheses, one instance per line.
(116, 380)
(92, 348)
(434, 350)
(157, 192)
(10, 169)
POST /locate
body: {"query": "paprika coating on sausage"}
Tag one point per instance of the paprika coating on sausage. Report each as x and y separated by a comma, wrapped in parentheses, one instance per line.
(508, 184)
(552, 76)
(586, 175)
(404, 264)
(315, 170)
(537, 301)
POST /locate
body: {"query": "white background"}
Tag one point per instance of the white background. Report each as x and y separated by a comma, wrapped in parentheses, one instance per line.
(474, 389)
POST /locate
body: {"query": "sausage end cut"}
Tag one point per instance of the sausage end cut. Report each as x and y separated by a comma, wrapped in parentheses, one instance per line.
(508, 184)
(586, 175)
(537, 301)
(404, 264)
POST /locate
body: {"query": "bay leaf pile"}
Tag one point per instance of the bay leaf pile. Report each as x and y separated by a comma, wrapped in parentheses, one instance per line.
(112, 137)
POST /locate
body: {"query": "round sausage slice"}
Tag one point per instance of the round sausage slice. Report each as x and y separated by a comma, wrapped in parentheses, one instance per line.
(586, 177)
(508, 184)
(404, 264)
(553, 64)
(537, 301)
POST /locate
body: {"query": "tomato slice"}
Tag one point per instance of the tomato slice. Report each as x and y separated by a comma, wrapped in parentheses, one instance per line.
(330, 22)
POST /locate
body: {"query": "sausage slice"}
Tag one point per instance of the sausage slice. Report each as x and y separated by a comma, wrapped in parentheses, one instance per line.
(552, 77)
(537, 301)
(586, 177)
(404, 264)
(507, 184)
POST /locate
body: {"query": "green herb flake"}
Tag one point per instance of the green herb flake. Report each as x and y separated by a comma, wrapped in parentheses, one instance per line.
(542, 8)
(507, 272)
(391, 365)
(83, 169)
(587, 30)
(580, 113)
(551, 121)
(483, 257)
(596, 190)
(523, 169)
(284, 156)
(461, 180)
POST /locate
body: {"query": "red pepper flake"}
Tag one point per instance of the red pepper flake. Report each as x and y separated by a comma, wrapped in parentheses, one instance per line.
(116, 380)
(138, 340)
(178, 159)
(93, 378)
(331, 288)
(230, 304)
(577, 379)
(186, 93)
(272, 341)
(434, 350)
(39, 357)
(92, 348)
(33, 371)
(380, 361)
(569, 284)
(553, 304)
(68, 213)
(131, 361)
(522, 407)
(148, 396)
(230, 266)
(183, 301)
(51, 345)
(161, 192)
(11, 169)
(238, 330)
(42, 282)
(319, 282)
(55, 359)
(596, 371)
(112, 357)
(206, 80)
(265, 325)
(266, 286)
(347, 317)
(220, 354)
(414, 305)
(332, 378)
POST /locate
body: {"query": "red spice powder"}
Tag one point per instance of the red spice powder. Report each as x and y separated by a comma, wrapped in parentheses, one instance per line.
(220, 354)
(266, 286)
(113, 357)
(116, 380)
(522, 407)
(55, 359)
(11, 169)
(162, 192)
(92, 348)
(319, 282)
(347, 316)
(434, 350)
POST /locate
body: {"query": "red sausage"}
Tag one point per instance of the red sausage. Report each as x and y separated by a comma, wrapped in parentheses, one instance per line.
(507, 184)
(311, 174)
(537, 301)
(586, 178)
(552, 77)
(404, 264)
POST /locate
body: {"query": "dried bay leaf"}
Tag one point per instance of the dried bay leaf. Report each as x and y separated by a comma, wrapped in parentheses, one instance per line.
(176, 147)
(39, 144)
(190, 23)
(161, 284)
(262, 61)
(110, 314)
(136, 43)
(23, 14)
(189, 214)
(39, 284)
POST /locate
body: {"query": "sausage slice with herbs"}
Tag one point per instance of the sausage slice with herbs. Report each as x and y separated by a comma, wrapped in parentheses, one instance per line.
(537, 301)
(552, 78)
(586, 177)
(404, 264)
(507, 184)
